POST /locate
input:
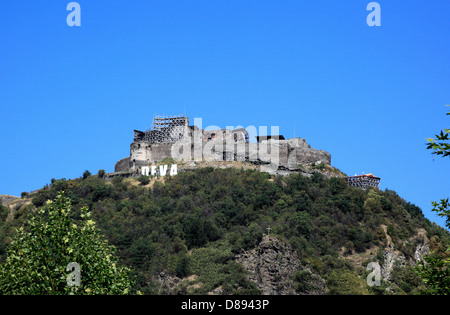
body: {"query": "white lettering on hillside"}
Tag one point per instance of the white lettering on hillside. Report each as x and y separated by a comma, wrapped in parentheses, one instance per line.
(161, 171)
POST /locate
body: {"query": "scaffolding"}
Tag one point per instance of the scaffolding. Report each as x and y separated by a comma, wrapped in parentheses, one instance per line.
(363, 181)
(165, 129)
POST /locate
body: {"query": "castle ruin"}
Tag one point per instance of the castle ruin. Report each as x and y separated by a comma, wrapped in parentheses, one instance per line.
(173, 137)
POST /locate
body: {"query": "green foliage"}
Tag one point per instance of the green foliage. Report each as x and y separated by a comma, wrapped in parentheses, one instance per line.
(215, 267)
(440, 144)
(361, 240)
(443, 210)
(406, 281)
(346, 283)
(198, 231)
(303, 224)
(303, 281)
(251, 237)
(40, 252)
(144, 180)
(167, 161)
(101, 173)
(435, 272)
(3, 212)
(182, 268)
(86, 174)
(196, 222)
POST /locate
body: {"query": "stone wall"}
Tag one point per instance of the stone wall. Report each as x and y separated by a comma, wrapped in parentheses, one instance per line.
(123, 165)
(226, 145)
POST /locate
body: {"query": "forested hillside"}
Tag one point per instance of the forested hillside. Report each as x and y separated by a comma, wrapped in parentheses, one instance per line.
(182, 234)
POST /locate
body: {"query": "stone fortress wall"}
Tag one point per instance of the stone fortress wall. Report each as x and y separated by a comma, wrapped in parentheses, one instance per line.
(173, 137)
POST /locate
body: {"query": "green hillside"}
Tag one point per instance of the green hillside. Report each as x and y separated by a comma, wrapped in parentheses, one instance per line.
(183, 234)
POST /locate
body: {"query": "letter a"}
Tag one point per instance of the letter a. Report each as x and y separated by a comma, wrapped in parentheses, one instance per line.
(173, 170)
(74, 17)
(74, 278)
(375, 274)
(374, 18)
(163, 170)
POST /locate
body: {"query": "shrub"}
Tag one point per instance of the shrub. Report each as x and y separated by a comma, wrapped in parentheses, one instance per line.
(144, 180)
(101, 173)
(86, 174)
(61, 241)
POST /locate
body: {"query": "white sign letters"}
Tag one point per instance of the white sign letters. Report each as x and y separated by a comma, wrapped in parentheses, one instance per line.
(161, 170)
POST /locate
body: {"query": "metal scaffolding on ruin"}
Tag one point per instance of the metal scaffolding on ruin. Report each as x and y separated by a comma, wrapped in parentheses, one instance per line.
(165, 129)
(363, 181)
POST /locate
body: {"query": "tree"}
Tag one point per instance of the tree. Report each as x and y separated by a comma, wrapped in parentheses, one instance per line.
(435, 269)
(86, 174)
(440, 145)
(144, 180)
(40, 253)
(101, 173)
(435, 273)
(182, 268)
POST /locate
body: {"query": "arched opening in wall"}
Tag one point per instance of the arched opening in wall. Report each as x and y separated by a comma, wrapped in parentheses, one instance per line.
(235, 137)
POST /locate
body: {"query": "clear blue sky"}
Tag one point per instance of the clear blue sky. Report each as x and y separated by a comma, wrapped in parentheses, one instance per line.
(70, 97)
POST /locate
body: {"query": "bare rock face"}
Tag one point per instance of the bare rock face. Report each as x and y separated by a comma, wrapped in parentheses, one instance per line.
(4, 199)
(393, 257)
(273, 265)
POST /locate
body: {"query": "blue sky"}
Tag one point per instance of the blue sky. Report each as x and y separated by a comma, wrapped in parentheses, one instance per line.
(70, 97)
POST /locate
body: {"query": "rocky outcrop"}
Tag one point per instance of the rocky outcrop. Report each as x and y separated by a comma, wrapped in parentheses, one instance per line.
(394, 257)
(272, 266)
(168, 284)
(4, 199)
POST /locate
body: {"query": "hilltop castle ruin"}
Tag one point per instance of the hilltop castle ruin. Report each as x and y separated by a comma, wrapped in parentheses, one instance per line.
(173, 137)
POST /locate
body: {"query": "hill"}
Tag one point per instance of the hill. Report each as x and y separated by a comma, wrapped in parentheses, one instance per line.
(241, 231)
